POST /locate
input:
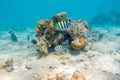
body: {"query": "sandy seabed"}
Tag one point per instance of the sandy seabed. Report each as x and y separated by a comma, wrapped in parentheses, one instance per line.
(101, 62)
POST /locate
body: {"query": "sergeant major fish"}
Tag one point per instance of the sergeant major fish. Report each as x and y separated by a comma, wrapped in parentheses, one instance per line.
(64, 46)
(60, 47)
(62, 25)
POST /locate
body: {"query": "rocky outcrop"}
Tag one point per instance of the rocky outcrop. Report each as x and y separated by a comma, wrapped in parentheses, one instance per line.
(49, 37)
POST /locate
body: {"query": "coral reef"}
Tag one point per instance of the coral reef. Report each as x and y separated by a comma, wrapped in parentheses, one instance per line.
(41, 27)
(49, 37)
(42, 44)
(76, 32)
(78, 43)
(111, 18)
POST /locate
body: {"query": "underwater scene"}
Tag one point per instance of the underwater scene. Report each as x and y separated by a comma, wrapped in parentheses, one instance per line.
(60, 40)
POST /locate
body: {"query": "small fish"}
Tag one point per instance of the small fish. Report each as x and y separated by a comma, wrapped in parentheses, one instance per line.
(33, 41)
(62, 47)
(62, 25)
(13, 36)
(28, 37)
(117, 34)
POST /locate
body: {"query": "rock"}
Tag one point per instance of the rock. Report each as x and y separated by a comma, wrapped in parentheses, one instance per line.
(52, 67)
(49, 37)
(78, 76)
(63, 63)
(28, 67)
(86, 48)
(7, 65)
(52, 76)
(61, 77)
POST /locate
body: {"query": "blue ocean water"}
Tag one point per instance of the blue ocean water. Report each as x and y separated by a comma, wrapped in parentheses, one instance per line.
(31, 11)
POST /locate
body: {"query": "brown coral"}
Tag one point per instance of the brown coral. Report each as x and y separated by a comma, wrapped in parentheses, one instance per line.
(49, 37)
(77, 29)
(76, 32)
(43, 46)
(41, 27)
(78, 43)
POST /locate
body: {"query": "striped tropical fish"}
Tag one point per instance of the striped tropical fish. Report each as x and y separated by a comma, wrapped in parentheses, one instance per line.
(61, 47)
(62, 25)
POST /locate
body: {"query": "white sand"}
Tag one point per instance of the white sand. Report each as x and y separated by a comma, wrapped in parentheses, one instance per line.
(101, 62)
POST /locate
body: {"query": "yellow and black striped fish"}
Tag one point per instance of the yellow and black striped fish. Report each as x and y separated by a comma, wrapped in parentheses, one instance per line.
(60, 48)
(62, 25)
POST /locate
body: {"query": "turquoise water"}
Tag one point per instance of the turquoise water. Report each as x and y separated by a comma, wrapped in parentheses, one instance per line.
(30, 11)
